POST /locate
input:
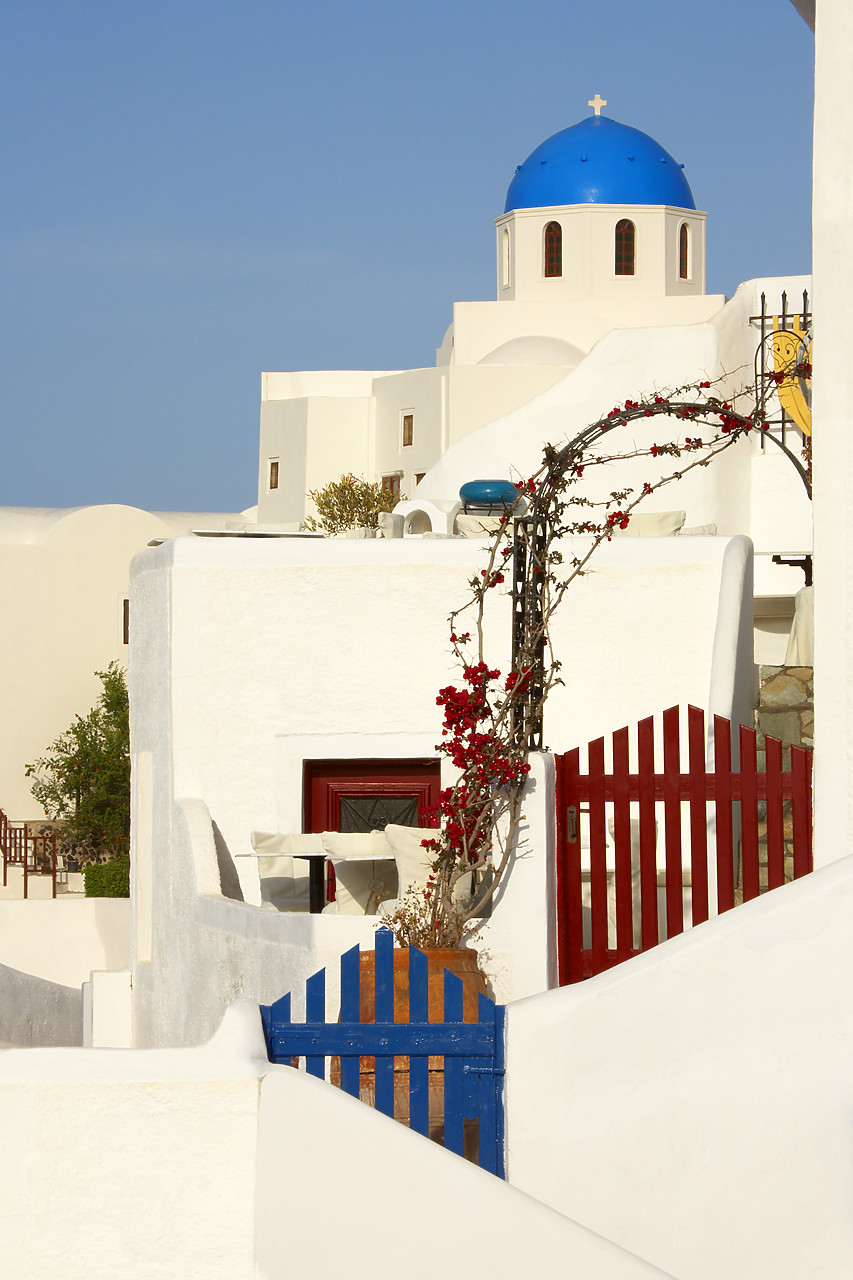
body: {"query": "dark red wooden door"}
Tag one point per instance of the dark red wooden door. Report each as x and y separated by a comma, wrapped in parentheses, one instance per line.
(365, 795)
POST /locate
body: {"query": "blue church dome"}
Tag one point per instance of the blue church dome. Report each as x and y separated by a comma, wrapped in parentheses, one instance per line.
(599, 161)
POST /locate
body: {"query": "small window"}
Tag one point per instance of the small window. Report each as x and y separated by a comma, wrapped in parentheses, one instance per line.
(624, 263)
(419, 475)
(274, 473)
(506, 258)
(391, 484)
(553, 249)
(408, 429)
(125, 622)
(684, 253)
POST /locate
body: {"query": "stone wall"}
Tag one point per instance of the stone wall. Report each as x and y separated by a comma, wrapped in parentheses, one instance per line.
(785, 711)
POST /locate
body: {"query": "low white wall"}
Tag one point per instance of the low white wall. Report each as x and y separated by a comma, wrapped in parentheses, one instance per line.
(35, 1012)
(147, 1160)
(517, 945)
(206, 950)
(248, 659)
(63, 939)
(343, 1191)
(211, 1164)
(694, 1104)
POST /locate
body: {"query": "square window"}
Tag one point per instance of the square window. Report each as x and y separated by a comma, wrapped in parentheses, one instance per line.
(273, 473)
(408, 428)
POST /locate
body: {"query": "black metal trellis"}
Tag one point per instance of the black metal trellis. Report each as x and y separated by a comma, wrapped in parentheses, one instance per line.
(775, 418)
(531, 531)
(530, 538)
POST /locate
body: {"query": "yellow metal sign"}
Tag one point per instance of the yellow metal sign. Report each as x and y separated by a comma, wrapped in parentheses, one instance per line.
(792, 373)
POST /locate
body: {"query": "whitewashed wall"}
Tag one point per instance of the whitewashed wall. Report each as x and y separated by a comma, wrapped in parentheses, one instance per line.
(634, 362)
(249, 658)
(34, 1011)
(210, 1163)
(63, 577)
(63, 939)
(694, 1104)
(833, 451)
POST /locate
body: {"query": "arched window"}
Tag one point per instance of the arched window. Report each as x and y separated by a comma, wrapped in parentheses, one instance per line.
(553, 249)
(624, 258)
(506, 258)
(684, 253)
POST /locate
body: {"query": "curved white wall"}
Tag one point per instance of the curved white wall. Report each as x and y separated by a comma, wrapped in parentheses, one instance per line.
(694, 1104)
(63, 939)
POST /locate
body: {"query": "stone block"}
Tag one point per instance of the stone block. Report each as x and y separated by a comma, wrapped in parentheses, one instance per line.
(784, 690)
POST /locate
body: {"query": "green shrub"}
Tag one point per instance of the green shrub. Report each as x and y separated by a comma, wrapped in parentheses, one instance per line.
(83, 779)
(349, 503)
(108, 879)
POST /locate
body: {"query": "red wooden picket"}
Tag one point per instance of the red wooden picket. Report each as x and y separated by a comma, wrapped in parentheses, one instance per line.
(672, 822)
(648, 832)
(723, 812)
(597, 856)
(698, 816)
(760, 797)
(775, 814)
(624, 850)
(801, 810)
(748, 815)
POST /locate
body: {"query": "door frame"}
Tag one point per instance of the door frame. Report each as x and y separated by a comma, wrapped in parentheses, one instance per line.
(325, 781)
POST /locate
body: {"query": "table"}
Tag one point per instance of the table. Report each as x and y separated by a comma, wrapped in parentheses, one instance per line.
(309, 848)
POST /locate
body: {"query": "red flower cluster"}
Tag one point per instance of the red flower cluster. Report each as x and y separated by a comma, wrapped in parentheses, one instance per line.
(620, 518)
(483, 759)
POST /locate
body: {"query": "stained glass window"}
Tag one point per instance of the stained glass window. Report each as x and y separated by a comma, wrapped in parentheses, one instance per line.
(553, 249)
(624, 264)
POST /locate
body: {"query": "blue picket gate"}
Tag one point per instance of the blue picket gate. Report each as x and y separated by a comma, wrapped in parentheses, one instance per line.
(473, 1052)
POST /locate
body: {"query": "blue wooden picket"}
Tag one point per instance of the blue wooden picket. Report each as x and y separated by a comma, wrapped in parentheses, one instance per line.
(473, 1052)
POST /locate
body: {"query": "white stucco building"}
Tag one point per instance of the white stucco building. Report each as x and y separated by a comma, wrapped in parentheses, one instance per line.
(600, 232)
(600, 296)
(684, 1115)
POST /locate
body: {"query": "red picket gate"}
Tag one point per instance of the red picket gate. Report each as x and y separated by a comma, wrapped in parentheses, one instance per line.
(610, 911)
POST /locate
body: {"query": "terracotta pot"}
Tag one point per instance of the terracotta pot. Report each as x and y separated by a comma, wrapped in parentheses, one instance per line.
(459, 961)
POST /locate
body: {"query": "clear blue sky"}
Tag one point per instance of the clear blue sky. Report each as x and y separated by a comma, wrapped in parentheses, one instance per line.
(198, 190)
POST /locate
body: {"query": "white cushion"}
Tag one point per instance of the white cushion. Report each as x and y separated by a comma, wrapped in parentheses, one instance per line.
(361, 885)
(361, 844)
(698, 529)
(414, 862)
(281, 842)
(652, 524)
(284, 884)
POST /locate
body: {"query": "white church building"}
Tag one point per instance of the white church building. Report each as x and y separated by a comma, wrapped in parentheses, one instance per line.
(682, 1115)
(600, 232)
